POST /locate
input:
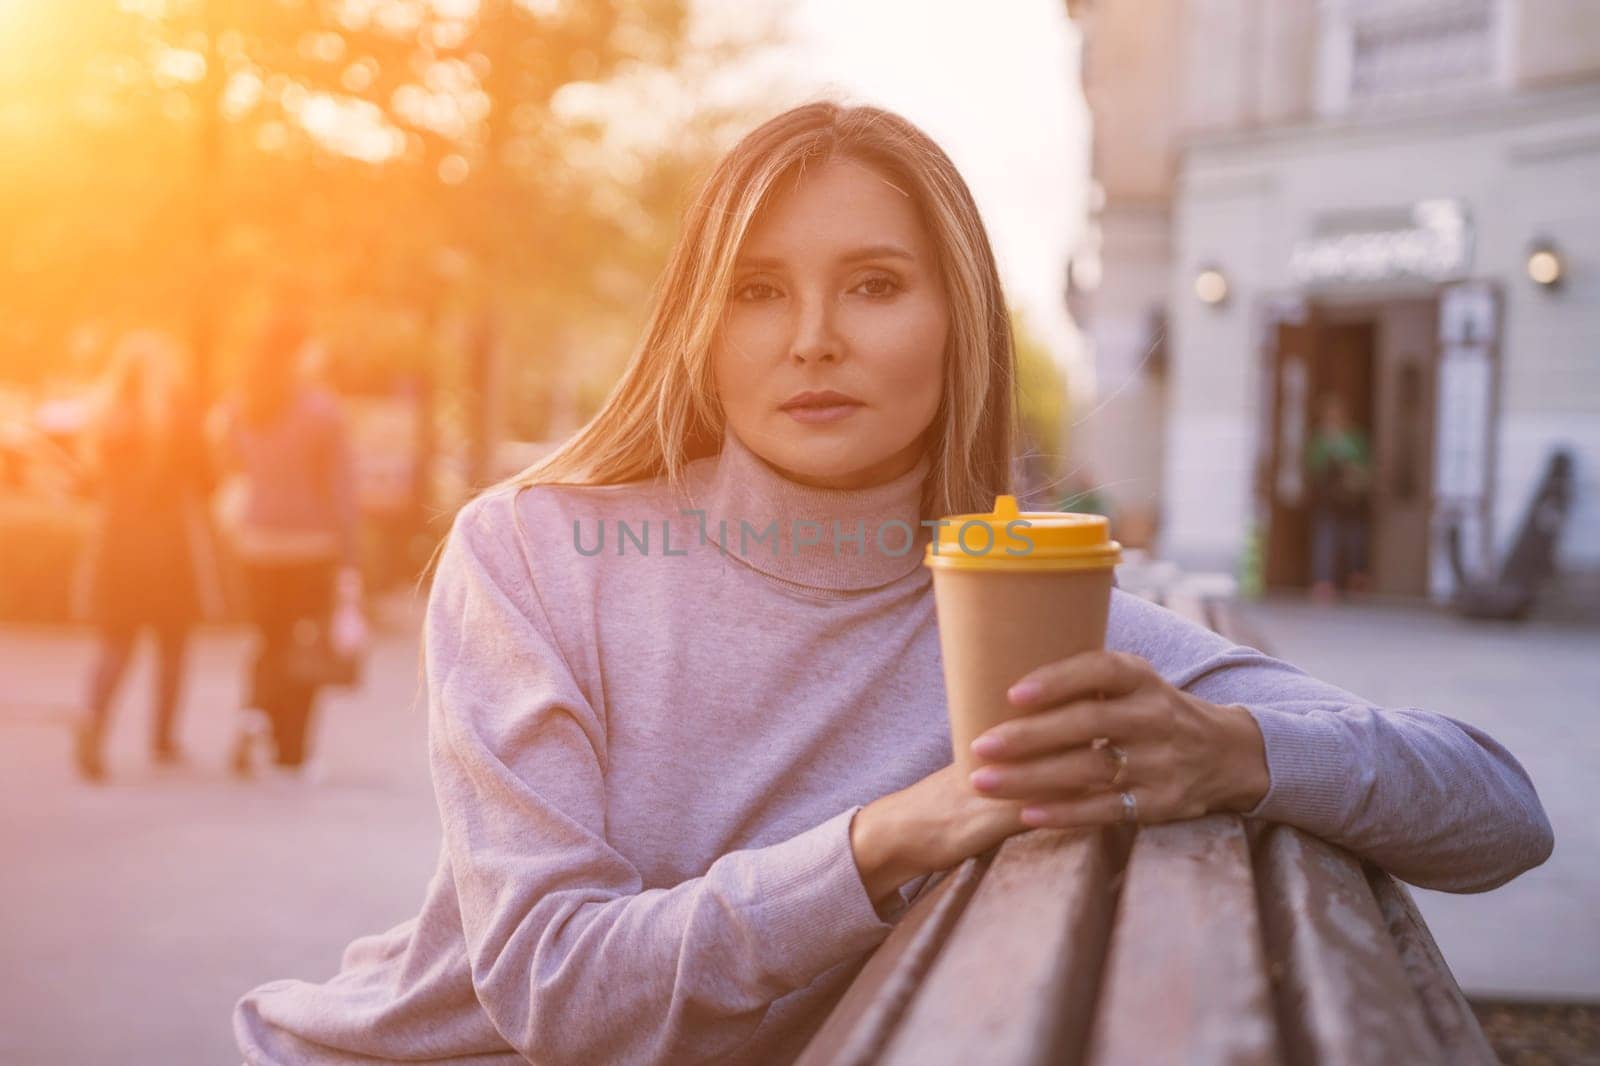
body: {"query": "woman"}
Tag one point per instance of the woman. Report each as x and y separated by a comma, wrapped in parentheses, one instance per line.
(145, 558)
(674, 825)
(293, 535)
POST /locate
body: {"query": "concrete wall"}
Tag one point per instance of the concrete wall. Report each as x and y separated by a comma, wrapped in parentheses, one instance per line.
(1216, 56)
(1252, 63)
(1130, 81)
(1131, 84)
(1551, 352)
(1555, 41)
(1287, 61)
(1119, 443)
(1226, 216)
(1246, 63)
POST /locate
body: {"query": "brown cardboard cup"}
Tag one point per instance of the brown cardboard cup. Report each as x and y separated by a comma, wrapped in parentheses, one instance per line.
(1033, 589)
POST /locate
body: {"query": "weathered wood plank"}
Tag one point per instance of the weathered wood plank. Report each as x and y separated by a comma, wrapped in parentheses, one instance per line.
(1185, 980)
(1453, 1023)
(1343, 995)
(872, 1006)
(1015, 983)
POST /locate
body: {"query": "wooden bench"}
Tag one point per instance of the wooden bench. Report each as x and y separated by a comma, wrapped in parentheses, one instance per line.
(1211, 941)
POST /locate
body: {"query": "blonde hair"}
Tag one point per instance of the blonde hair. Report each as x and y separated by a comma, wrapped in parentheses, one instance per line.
(664, 412)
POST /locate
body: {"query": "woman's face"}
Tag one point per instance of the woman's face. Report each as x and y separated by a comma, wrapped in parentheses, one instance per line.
(836, 290)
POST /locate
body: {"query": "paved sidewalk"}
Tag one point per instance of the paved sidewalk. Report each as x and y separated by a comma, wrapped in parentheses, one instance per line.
(133, 914)
(1535, 687)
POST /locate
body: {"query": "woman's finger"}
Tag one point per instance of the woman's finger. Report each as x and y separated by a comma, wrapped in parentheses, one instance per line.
(1058, 775)
(1149, 803)
(1142, 804)
(1101, 808)
(1127, 718)
(1091, 673)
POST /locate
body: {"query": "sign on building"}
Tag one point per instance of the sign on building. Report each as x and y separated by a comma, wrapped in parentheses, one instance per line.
(1432, 241)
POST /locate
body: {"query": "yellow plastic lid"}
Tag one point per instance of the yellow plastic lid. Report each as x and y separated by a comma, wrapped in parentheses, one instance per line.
(1009, 539)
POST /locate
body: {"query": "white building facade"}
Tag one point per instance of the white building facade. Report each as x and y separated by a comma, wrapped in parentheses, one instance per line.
(1397, 202)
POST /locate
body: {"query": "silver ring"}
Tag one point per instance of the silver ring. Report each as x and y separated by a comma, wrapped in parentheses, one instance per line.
(1130, 807)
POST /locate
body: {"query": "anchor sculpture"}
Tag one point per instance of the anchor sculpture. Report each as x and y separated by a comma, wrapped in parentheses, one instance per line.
(1510, 594)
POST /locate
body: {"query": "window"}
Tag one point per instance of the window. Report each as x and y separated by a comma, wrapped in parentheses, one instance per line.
(1380, 51)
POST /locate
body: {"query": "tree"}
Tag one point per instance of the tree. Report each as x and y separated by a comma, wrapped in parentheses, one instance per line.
(1042, 406)
(414, 169)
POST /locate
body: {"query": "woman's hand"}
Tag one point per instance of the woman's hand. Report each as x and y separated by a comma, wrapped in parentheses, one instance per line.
(929, 826)
(1184, 757)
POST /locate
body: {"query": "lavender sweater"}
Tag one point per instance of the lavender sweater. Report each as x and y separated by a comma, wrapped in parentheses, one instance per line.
(647, 763)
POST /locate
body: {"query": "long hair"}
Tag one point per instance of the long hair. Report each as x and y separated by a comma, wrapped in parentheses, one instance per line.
(273, 369)
(664, 412)
(140, 391)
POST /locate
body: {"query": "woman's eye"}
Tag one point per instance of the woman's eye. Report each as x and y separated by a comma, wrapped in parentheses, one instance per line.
(755, 291)
(879, 285)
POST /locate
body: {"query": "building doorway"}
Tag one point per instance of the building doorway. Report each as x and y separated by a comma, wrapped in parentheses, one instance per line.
(1379, 360)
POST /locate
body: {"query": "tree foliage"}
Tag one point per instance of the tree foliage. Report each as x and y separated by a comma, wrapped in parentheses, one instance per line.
(1043, 397)
(421, 175)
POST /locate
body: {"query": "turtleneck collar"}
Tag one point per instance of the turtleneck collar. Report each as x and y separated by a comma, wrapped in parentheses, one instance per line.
(836, 539)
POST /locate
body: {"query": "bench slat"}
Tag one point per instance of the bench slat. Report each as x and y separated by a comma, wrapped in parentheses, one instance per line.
(1343, 995)
(1186, 977)
(1444, 1006)
(865, 1018)
(1015, 984)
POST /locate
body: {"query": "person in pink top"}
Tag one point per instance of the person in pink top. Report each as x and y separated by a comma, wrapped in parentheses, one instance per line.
(686, 712)
(293, 533)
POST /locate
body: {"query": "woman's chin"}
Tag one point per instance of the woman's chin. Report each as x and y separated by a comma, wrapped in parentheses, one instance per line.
(836, 455)
(849, 473)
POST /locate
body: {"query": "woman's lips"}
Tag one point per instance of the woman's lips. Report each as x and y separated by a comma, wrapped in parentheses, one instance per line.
(816, 415)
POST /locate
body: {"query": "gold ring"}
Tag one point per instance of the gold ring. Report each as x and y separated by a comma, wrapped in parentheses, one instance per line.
(1118, 757)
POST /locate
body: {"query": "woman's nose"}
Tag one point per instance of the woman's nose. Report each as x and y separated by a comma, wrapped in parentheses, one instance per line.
(815, 339)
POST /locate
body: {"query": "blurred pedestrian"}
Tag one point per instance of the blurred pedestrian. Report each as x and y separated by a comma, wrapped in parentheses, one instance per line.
(1340, 466)
(148, 559)
(292, 531)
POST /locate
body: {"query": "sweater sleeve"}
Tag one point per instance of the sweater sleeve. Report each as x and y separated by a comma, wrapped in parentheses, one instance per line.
(1432, 800)
(571, 957)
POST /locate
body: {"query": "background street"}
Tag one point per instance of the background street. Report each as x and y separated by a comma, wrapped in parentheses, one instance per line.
(1533, 688)
(134, 914)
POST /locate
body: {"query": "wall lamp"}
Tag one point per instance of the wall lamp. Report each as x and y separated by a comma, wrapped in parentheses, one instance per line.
(1211, 286)
(1546, 268)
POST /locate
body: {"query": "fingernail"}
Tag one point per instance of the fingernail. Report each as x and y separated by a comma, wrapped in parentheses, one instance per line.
(1023, 691)
(985, 778)
(987, 747)
(1033, 815)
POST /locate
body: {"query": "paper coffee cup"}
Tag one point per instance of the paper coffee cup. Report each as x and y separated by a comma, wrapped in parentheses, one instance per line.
(1014, 590)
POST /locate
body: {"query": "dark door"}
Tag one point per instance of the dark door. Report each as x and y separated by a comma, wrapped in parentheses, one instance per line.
(1313, 360)
(1403, 406)
(1284, 486)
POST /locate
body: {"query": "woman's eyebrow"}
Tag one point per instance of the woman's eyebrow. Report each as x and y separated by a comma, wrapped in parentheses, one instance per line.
(871, 251)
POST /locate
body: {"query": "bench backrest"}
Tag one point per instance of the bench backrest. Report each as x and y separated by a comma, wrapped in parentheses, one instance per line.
(1210, 941)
